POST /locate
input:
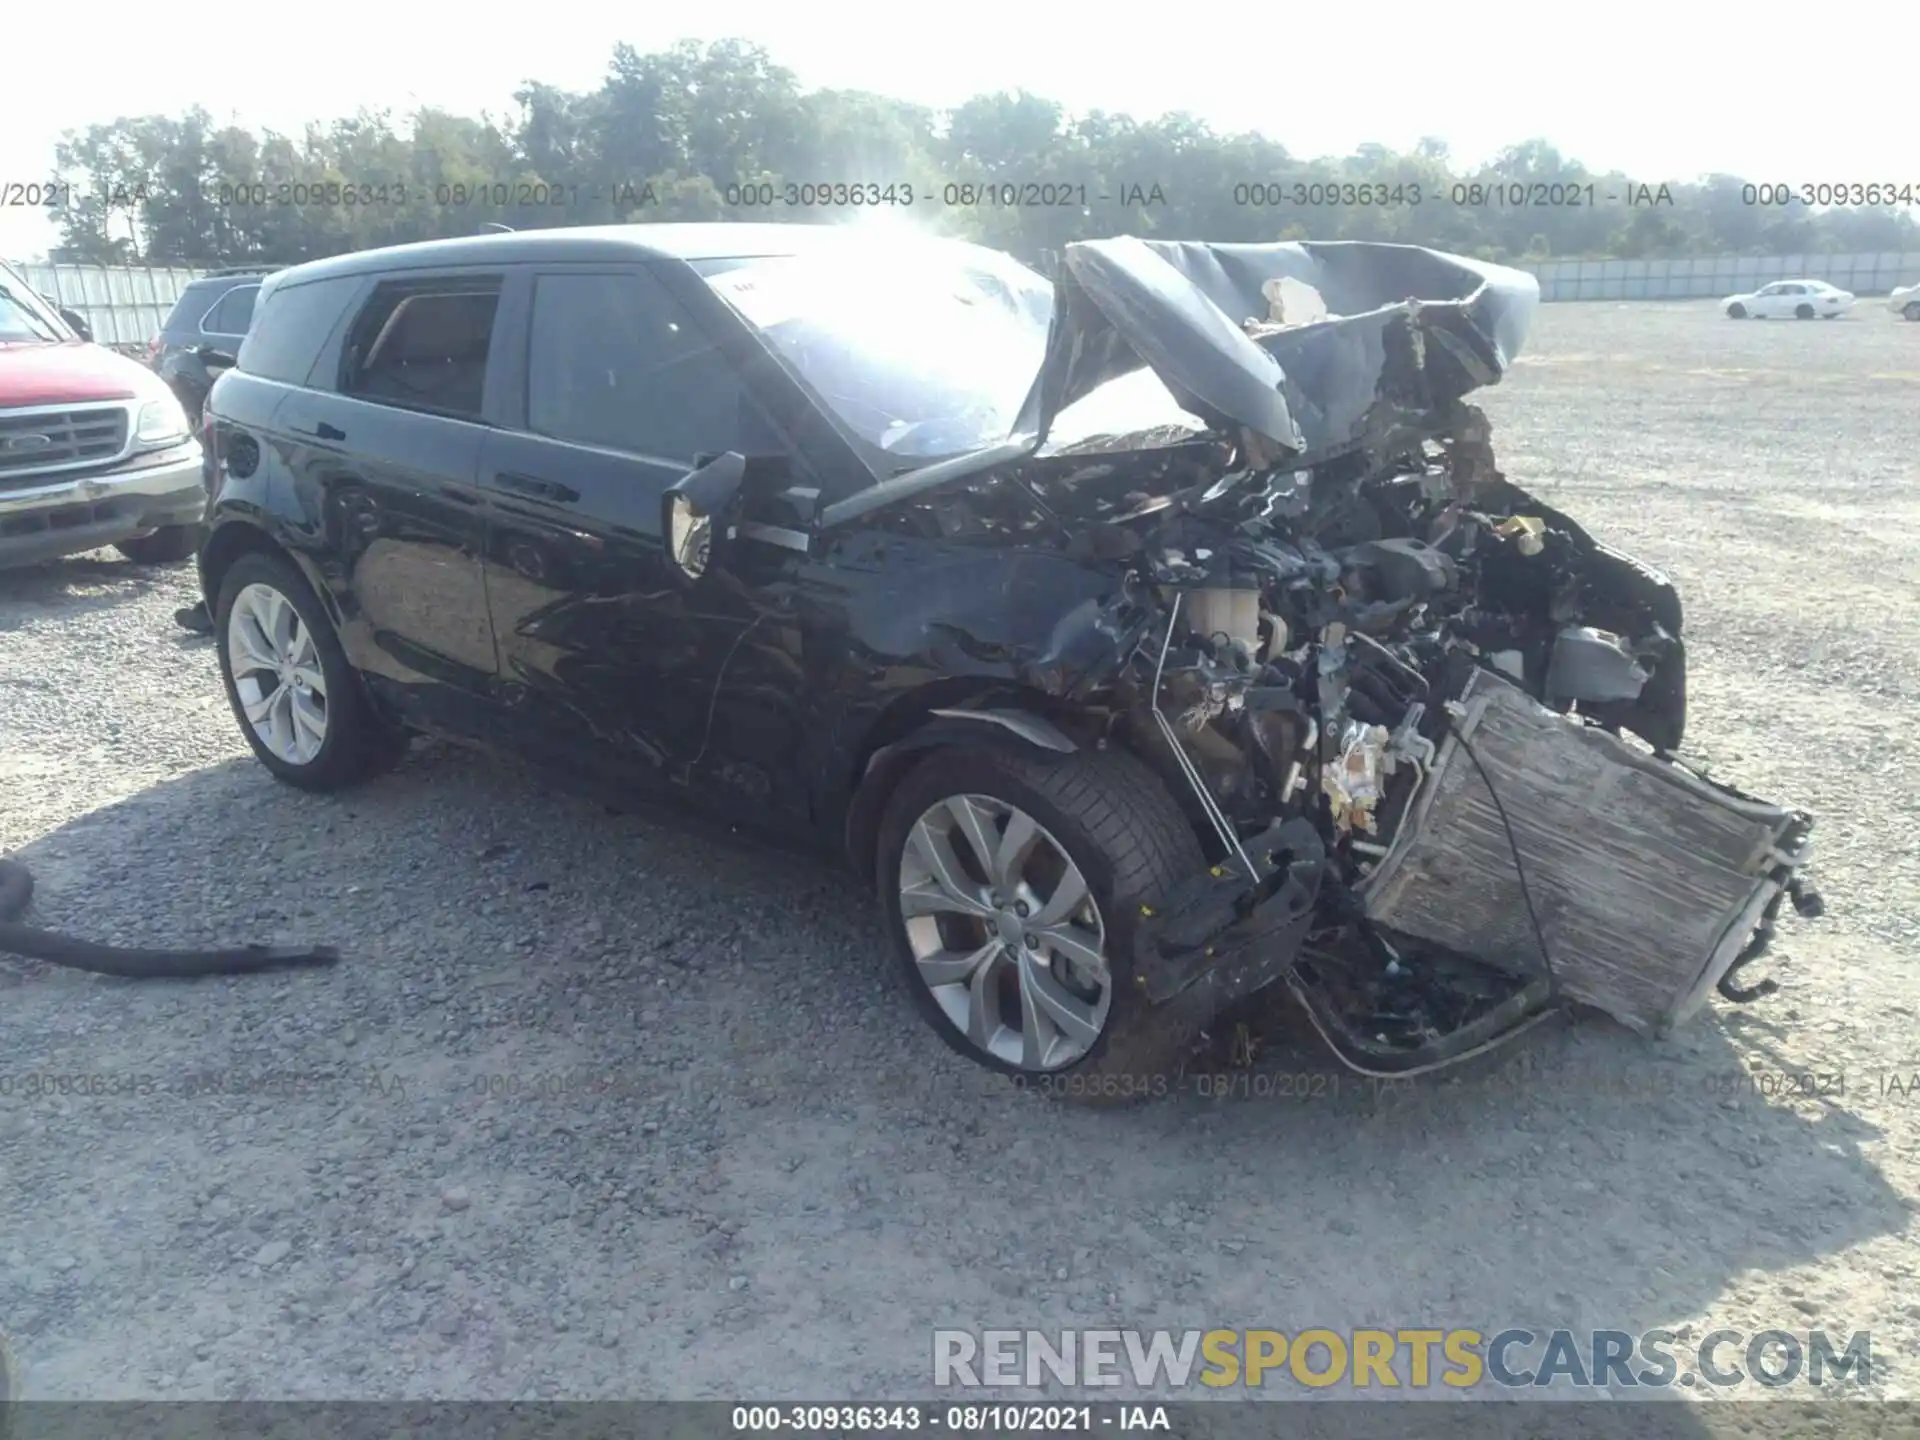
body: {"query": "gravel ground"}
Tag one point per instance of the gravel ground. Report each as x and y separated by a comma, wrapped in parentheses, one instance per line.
(599, 1108)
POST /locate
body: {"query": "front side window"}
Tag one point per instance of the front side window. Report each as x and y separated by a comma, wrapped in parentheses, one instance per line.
(422, 345)
(921, 351)
(615, 361)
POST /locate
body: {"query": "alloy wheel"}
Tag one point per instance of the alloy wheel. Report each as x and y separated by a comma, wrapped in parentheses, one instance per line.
(1005, 933)
(277, 674)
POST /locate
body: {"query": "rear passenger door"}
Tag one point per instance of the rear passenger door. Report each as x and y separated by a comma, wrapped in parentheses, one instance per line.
(608, 661)
(384, 449)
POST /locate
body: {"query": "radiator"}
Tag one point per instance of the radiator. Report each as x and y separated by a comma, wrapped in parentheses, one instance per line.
(1646, 878)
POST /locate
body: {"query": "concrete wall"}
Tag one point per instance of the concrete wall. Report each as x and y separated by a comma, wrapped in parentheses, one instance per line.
(1716, 275)
(1701, 277)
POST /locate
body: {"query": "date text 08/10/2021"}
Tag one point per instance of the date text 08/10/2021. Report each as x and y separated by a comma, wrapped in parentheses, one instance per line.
(996, 193)
(959, 1419)
(1892, 1086)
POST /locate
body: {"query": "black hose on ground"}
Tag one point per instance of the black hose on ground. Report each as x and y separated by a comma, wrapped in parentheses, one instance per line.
(16, 889)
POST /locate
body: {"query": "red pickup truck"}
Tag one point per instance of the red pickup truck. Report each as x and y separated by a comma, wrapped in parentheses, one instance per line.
(94, 448)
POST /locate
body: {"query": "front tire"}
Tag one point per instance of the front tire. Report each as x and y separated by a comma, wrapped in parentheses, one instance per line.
(1736, 312)
(1803, 312)
(1013, 886)
(1912, 310)
(302, 708)
(168, 545)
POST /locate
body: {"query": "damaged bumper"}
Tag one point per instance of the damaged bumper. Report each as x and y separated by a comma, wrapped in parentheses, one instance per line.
(1539, 862)
(1439, 760)
(1233, 933)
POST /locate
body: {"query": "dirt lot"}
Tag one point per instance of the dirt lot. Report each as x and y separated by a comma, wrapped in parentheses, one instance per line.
(597, 1108)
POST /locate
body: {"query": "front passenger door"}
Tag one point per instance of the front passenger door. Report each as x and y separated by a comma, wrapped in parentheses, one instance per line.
(606, 661)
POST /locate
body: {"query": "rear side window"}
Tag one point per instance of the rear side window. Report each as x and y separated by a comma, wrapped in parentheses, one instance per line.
(192, 303)
(234, 313)
(422, 345)
(615, 361)
(293, 327)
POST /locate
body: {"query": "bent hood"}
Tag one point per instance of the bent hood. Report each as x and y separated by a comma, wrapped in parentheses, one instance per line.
(1317, 347)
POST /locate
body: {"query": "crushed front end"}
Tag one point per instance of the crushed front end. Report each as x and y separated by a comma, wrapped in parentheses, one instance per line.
(1430, 723)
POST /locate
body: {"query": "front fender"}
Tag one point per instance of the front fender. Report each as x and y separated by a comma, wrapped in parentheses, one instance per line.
(994, 728)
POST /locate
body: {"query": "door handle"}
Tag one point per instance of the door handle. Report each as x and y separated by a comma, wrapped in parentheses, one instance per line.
(321, 431)
(538, 488)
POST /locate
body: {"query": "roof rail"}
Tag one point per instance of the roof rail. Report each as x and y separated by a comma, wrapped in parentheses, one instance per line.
(243, 270)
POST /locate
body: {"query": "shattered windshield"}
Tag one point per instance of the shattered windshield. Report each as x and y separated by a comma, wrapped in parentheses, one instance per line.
(923, 352)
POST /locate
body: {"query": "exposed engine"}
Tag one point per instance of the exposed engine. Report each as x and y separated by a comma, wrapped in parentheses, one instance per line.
(1431, 725)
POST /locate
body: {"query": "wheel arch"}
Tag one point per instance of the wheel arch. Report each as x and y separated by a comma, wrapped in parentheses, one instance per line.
(978, 714)
(236, 536)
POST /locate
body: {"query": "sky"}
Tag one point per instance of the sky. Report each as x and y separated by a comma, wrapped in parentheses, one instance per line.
(1659, 91)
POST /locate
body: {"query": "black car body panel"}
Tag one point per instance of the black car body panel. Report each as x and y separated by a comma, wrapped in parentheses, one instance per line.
(1272, 604)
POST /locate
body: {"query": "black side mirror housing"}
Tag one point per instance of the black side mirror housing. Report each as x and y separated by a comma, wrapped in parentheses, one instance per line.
(76, 322)
(213, 355)
(695, 513)
(691, 509)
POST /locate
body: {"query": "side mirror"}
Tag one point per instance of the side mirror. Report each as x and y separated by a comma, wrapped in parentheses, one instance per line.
(212, 355)
(77, 323)
(689, 509)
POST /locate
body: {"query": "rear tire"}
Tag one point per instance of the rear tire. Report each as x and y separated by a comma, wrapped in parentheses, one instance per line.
(1084, 1032)
(319, 736)
(168, 545)
(1803, 312)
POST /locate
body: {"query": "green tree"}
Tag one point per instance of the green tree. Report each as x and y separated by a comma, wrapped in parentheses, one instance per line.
(673, 134)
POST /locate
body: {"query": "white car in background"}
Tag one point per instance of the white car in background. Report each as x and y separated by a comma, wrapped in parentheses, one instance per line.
(1905, 300)
(1789, 300)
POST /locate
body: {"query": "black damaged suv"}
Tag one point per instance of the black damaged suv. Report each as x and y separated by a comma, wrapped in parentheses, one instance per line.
(1125, 631)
